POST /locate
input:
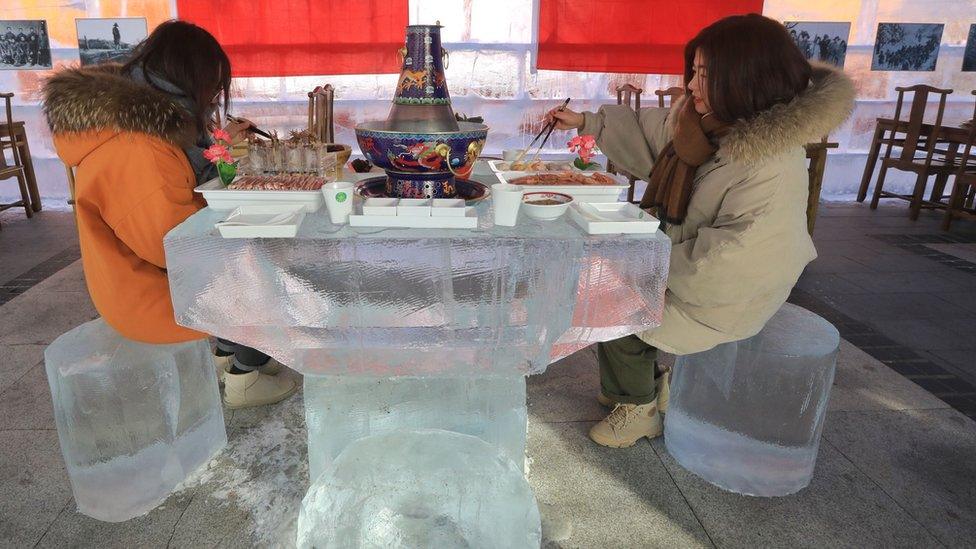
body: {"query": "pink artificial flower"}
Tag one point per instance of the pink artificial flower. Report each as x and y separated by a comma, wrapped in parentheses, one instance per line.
(221, 135)
(216, 153)
(583, 145)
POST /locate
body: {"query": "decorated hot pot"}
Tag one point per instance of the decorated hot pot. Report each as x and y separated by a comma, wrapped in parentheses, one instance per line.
(421, 146)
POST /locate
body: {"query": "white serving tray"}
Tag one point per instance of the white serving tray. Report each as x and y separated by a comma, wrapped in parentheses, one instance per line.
(499, 166)
(582, 193)
(613, 218)
(255, 220)
(468, 221)
(220, 197)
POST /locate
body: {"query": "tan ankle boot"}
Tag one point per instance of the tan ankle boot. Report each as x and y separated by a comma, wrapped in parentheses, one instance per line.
(627, 424)
(224, 363)
(663, 392)
(256, 389)
(604, 400)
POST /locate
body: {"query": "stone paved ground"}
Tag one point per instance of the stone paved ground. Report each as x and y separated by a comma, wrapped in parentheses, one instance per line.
(895, 465)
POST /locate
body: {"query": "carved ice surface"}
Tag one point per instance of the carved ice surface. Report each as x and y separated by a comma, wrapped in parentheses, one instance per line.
(747, 416)
(344, 300)
(134, 419)
(420, 488)
(342, 409)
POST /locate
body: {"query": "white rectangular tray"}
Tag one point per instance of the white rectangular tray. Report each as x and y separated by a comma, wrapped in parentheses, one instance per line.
(582, 193)
(255, 215)
(613, 218)
(499, 166)
(220, 197)
(469, 221)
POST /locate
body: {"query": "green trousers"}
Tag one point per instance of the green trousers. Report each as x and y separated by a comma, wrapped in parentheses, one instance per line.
(627, 370)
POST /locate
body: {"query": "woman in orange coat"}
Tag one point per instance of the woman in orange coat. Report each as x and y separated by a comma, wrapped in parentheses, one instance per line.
(136, 135)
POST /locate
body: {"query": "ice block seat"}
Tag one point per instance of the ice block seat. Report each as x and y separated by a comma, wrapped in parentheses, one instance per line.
(420, 488)
(747, 416)
(134, 420)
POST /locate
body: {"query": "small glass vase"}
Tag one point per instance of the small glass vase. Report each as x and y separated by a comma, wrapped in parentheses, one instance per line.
(227, 172)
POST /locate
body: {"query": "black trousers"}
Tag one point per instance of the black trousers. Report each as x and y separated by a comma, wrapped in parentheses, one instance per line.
(245, 358)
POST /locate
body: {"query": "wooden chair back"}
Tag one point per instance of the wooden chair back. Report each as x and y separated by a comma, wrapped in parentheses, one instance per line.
(915, 120)
(11, 135)
(320, 113)
(629, 95)
(672, 94)
(817, 155)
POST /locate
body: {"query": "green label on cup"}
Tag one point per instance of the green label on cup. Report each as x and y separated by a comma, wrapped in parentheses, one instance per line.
(640, 215)
(341, 197)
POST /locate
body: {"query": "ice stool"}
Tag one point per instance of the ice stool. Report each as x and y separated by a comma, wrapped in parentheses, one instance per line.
(747, 416)
(134, 419)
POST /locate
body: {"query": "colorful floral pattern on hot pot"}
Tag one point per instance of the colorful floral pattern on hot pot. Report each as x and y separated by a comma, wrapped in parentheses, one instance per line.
(413, 185)
(422, 80)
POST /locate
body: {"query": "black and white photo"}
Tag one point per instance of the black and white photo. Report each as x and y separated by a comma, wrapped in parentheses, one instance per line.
(109, 40)
(907, 46)
(969, 56)
(821, 41)
(24, 44)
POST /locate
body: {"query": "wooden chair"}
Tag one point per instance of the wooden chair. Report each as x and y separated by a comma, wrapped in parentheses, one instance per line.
(672, 94)
(320, 113)
(16, 169)
(917, 155)
(629, 95)
(961, 201)
(817, 155)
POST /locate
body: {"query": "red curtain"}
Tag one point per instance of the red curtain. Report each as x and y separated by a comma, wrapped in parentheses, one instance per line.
(303, 37)
(632, 36)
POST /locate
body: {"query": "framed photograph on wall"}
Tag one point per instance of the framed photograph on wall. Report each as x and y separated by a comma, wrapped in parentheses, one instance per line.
(821, 40)
(24, 45)
(907, 46)
(109, 40)
(969, 56)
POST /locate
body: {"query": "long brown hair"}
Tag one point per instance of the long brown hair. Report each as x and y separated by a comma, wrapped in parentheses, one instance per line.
(190, 58)
(751, 64)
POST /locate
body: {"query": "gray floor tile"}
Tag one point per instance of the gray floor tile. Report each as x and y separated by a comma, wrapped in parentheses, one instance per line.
(69, 279)
(898, 306)
(962, 251)
(827, 284)
(626, 488)
(16, 360)
(923, 459)
(912, 282)
(966, 300)
(841, 508)
(836, 264)
(863, 383)
(27, 404)
(928, 334)
(567, 390)
(39, 317)
(33, 484)
(891, 263)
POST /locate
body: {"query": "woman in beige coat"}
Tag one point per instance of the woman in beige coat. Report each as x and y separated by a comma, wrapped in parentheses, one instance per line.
(727, 175)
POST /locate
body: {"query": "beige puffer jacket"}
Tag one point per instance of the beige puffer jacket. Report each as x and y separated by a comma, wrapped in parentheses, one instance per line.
(744, 241)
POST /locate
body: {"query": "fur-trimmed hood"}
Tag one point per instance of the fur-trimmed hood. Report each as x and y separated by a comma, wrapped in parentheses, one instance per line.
(824, 105)
(90, 100)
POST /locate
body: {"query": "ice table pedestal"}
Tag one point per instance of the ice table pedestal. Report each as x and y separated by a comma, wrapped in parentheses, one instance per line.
(747, 416)
(426, 329)
(134, 420)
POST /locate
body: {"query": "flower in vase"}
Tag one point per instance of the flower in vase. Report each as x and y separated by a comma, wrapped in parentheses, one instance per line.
(218, 153)
(585, 147)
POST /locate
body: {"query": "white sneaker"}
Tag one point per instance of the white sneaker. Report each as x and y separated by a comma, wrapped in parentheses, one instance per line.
(256, 389)
(224, 363)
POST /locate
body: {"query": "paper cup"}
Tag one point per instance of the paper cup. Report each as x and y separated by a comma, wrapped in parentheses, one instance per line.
(338, 199)
(505, 201)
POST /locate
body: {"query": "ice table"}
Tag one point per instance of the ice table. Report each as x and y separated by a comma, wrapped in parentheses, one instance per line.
(399, 320)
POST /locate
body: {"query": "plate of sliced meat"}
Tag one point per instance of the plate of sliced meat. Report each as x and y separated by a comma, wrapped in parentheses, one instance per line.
(583, 186)
(251, 190)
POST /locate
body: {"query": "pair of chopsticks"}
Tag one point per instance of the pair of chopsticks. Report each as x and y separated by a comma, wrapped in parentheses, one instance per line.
(251, 128)
(547, 129)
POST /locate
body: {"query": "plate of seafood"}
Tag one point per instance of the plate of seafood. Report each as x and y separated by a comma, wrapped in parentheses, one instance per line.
(531, 166)
(583, 186)
(249, 190)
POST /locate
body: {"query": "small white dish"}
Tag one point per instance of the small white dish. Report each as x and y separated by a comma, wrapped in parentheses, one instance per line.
(414, 207)
(447, 207)
(467, 221)
(263, 221)
(545, 206)
(613, 218)
(380, 206)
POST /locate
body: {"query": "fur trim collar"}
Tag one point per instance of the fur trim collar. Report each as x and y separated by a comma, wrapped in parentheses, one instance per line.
(100, 97)
(824, 105)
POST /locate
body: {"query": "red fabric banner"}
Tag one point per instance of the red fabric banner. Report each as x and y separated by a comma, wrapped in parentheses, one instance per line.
(632, 36)
(303, 37)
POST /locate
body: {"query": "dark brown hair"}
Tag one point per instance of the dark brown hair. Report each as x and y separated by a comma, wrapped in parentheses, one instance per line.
(190, 58)
(751, 64)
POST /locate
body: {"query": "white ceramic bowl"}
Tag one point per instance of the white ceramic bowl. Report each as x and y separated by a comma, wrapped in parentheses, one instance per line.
(545, 212)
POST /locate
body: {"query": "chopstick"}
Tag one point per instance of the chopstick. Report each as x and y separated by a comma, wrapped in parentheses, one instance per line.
(550, 126)
(252, 128)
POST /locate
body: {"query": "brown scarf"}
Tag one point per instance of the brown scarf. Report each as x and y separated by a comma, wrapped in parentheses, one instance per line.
(670, 185)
